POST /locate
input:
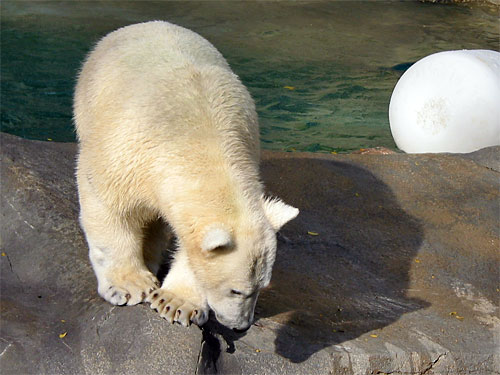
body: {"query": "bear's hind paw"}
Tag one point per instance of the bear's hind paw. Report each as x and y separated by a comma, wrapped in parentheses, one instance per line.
(176, 310)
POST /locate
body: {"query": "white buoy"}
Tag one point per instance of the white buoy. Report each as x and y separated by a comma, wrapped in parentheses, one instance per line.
(448, 102)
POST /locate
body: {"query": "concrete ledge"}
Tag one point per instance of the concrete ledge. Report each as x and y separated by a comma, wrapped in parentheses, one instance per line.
(391, 268)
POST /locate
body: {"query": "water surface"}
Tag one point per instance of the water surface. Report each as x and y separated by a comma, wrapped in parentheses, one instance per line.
(321, 73)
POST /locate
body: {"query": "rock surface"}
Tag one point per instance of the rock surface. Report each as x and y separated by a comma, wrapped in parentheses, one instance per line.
(392, 267)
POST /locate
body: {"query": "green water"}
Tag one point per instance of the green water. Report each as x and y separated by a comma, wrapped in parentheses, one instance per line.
(321, 73)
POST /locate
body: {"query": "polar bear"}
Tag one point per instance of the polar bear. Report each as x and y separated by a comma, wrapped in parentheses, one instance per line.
(166, 129)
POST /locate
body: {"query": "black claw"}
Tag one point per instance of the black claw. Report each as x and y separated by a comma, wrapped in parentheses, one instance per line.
(161, 301)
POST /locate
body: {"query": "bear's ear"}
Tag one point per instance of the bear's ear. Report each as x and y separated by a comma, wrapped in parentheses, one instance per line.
(277, 212)
(216, 237)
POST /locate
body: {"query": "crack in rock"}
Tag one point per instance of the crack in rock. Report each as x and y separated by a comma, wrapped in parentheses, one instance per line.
(14, 272)
(6, 348)
(431, 365)
(106, 317)
(424, 371)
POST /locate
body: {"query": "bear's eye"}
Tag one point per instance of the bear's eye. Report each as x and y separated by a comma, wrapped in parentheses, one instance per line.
(236, 292)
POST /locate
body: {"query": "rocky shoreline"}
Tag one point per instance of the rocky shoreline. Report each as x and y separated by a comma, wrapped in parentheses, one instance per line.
(391, 267)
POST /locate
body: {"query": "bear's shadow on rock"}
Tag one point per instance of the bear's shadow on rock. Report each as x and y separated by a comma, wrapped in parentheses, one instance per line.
(342, 267)
(352, 277)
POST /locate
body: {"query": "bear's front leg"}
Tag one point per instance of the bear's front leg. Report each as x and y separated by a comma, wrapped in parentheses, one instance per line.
(178, 300)
(118, 264)
(115, 249)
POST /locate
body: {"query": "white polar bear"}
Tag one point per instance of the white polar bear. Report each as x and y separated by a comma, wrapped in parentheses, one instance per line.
(166, 129)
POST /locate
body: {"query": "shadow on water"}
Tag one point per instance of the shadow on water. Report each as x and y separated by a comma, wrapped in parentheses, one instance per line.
(350, 278)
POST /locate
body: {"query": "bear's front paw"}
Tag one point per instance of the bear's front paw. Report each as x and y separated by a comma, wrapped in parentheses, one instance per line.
(175, 309)
(128, 288)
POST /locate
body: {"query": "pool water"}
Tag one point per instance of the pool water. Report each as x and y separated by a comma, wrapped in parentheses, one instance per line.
(321, 73)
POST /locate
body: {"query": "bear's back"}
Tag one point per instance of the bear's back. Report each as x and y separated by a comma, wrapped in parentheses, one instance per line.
(156, 96)
(157, 73)
(164, 44)
(134, 61)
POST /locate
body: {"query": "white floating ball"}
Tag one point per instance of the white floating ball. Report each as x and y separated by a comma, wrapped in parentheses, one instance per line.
(448, 102)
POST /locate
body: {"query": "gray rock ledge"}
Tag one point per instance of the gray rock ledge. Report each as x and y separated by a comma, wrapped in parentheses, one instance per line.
(401, 278)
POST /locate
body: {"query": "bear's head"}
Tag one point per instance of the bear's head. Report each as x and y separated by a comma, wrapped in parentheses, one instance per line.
(237, 262)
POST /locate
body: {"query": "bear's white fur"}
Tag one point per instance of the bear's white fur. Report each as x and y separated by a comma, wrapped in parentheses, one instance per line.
(166, 129)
